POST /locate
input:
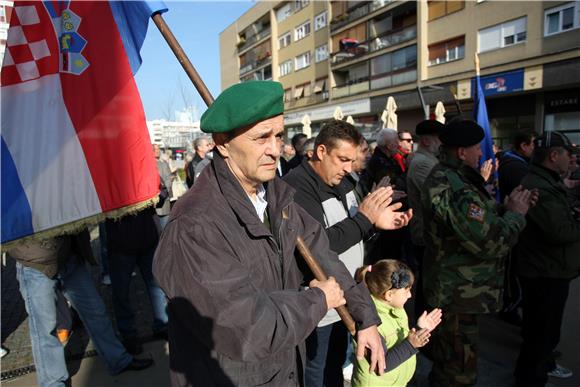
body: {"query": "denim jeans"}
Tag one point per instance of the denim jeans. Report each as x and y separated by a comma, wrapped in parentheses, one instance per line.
(325, 354)
(39, 293)
(163, 220)
(121, 267)
(104, 261)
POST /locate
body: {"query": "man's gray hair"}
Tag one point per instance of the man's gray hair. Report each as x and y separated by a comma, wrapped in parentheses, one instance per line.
(197, 141)
(385, 135)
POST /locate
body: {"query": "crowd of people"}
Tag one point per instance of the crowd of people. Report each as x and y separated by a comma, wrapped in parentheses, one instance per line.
(387, 218)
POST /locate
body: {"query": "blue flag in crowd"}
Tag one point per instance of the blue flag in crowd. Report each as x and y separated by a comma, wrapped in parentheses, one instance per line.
(480, 116)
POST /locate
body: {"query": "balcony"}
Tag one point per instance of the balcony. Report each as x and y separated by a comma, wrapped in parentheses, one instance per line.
(310, 100)
(393, 79)
(255, 65)
(244, 44)
(355, 88)
(385, 40)
(357, 13)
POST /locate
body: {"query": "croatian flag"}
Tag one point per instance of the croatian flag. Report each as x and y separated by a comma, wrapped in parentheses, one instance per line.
(74, 138)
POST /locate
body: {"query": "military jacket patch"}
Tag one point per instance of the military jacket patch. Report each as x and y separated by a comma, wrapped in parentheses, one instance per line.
(476, 213)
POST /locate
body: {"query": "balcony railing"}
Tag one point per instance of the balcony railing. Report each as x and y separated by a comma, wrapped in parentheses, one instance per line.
(385, 40)
(394, 79)
(253, 39)
(357, 13)
(355, 88)
(254, 65)
(310, 100)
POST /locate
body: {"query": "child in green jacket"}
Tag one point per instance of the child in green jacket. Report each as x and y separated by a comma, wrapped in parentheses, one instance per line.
(389, 282)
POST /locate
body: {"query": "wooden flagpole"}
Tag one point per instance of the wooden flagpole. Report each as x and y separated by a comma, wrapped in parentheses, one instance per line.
(208, 99)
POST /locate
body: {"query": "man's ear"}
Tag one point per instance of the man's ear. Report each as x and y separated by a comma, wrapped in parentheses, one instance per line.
(320, 151)
(461, 153)
(222, 144)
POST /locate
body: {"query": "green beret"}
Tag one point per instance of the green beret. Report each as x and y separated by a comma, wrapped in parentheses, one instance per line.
(427, 127)
(462, 133)
(243, 104)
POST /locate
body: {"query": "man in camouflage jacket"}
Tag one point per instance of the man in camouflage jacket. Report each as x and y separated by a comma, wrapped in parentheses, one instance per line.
(466, 236)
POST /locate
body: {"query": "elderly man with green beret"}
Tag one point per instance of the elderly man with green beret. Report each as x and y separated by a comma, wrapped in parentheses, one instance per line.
(467, 235)
(241, 300)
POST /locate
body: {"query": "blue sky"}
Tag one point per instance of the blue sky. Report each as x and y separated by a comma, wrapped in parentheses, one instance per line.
(196, 25)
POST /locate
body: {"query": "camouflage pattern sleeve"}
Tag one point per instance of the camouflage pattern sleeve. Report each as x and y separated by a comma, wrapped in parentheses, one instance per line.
(476, 223)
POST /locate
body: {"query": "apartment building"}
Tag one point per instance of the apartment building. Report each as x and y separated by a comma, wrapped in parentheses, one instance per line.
(5, 12)
(355, 54)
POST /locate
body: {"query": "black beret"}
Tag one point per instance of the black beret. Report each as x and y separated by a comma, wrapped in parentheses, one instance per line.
(428, 127)
(462, 133)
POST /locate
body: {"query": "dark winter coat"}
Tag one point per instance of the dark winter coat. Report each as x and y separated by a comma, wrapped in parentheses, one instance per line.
(238, 313)
(513, 168)
(549, 246)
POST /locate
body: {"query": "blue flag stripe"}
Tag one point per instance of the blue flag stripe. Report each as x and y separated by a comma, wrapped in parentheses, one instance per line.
(132, 20)
(16, 213)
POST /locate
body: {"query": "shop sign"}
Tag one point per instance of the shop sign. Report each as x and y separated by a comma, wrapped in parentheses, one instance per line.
(567, 101)
(324, 113)
(501, 83)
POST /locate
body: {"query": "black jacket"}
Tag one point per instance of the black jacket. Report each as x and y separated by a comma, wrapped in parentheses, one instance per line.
(238, 312)
(512, 170)
(311, 192)
(190, 170)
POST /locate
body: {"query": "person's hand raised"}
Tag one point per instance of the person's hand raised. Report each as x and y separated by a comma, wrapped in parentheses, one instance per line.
(419, 338)
(430, 320)
(519, 200)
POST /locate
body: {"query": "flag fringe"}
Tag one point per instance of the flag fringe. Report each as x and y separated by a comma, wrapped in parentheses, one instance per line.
(79, 225)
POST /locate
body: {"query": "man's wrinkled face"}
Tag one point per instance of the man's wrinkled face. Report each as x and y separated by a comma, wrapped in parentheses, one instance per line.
(470, 155)
(253, 154)
(336, 162)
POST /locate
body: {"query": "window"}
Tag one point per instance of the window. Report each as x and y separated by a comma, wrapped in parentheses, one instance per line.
(285, 40)
(285, 68)
(439, 9)
(287, 95)
(319, 85)
(302, 31)
(321, 53)
(563, 18)
(302, 61)
(299, 4)
(406, 57)
(283, 12)
(320, 21)
(394, 68)
(450, 50)
(502, 35)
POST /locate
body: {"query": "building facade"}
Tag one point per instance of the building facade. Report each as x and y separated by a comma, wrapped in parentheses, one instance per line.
(172, 134)
(355, 54)
(5, 13)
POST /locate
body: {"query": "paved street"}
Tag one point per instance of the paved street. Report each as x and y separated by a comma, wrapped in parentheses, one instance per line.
(499, 344)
